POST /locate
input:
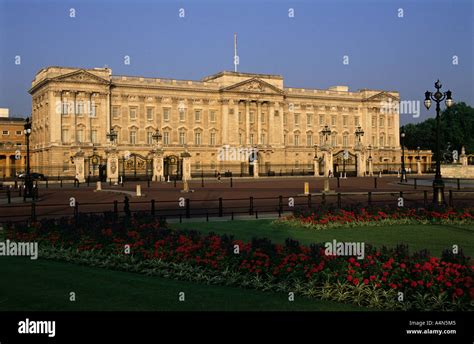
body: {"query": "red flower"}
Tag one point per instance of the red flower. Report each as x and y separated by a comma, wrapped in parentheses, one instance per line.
(459, 292)
(366, 281)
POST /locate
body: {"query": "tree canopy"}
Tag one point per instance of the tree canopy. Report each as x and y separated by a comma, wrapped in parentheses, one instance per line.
(457, 127)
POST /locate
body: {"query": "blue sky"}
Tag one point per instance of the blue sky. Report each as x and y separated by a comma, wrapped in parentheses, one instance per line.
(385, 52)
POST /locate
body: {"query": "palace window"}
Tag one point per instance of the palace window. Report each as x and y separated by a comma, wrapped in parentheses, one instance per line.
(198, 165)
(297, 118)
(115, 112)
(197, 115)
(382, 121)
(277, 113)
(345, 140)
(334, 140)
(390, 121)
(149, 137)
(133, 137)
(309, 119)
(80, 135)
(356, 121)
(94, 136)
(309, 139)
(212, 116)
(374, 121)
(390, 141)
(166, 114)
(5, 132)
(240, 117)
(197, 138)
(297, 140)
(18, 132)
(65, 135)
(241, 141)
(262, 139)
(80, 108)
(263, 117)
(251, 139)
(166, 137)
(149, 114)
(345, 121)
(182, 114)
(333, 120)
(382, 140)
(212, 139)
(321, 119)
(133, 113)
(64, 107)
(251, 116)
(182, 138)
(285, 119)
(93, 110)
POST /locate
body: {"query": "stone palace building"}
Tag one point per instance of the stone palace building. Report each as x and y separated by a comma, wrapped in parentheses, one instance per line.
(243, 123)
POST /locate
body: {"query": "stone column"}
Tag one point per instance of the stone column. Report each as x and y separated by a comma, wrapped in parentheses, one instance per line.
(270, 125)
(247, 122)
(186, 165)
(418, 167)
(361, 168)
(225, 121)
(316, 167)
(78, 159)
(255, 168)
(7, 166)
(371, 167)
(112, 164)
(158, 168)
(259, 122)
(282, 126)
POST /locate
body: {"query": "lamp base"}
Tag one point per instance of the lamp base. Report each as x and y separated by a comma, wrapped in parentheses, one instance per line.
(438, 192)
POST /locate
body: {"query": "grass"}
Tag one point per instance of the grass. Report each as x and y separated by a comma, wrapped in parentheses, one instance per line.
(435, 238)
(45, 285)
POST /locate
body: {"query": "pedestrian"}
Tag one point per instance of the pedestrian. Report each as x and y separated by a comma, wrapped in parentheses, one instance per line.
(218, 176)
(126, 207)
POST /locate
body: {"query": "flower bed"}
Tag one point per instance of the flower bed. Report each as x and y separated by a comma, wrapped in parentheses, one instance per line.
(323, 218)
(426, 283)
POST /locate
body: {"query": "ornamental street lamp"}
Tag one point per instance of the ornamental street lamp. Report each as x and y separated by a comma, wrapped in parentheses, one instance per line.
(404, 171)
(438, 97)
(359, 133)
(112, 136)
(315, 151)
(157, 137)
(326, 132)
(28, 181)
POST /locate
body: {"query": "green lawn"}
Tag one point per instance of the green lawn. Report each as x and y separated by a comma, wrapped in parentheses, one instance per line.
(45, 285)
(435, 238)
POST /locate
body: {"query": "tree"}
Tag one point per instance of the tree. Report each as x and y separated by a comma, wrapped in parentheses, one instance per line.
(457, 128)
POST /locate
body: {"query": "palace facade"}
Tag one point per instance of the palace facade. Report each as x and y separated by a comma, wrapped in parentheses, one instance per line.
(74, 109)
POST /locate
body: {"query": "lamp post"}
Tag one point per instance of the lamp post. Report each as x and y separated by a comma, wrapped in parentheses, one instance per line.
(28, 181)
(438, 97)
(112, 136)
(157, 137)
(404, 172)
(369, 148)
(326, 132)
(359, 133)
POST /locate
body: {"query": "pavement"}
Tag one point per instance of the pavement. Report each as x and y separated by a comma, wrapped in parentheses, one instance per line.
(168, 199)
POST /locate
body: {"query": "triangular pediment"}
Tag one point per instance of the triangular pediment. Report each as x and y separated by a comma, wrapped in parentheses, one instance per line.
(81, 76)
(381, 97)
(254, 85)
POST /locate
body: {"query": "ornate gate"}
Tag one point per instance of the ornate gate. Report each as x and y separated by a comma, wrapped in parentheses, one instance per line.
(136, 166)
(95, 167)
(173, 167)
(349, 165)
